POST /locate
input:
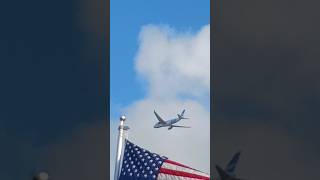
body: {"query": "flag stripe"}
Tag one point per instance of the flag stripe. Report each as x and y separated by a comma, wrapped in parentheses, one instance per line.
(178, 164)
(175, 163)
(162, 176)
(181, 173)
(179, 168)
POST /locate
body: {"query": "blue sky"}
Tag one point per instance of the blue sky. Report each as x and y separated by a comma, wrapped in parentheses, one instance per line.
(126, 20)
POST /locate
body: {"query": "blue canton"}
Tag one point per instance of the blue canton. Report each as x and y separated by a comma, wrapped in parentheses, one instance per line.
(139, 163)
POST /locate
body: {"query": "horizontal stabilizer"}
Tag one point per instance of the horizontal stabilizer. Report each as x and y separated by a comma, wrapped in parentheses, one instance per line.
(181, 117)
(180, 126)
(222, 173)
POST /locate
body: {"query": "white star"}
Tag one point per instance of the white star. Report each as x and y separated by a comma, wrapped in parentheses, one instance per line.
(157, 169)
(151, 160)
(153, 164)
(151, 172)
(130, 174)
(145, 175)
(154, 176)
(148, 168)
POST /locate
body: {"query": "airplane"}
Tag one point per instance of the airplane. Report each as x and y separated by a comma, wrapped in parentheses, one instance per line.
(229, 172)
(169, 123)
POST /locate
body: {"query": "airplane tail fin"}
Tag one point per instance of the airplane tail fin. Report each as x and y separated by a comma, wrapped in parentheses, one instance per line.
(181, 115)
(231, 167)
(183, 112)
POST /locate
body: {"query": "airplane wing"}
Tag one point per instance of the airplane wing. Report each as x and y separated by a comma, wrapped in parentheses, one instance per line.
(180, 126)
(159, 118)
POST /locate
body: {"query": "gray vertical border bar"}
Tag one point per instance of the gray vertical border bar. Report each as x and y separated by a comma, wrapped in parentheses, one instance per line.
(214, 15)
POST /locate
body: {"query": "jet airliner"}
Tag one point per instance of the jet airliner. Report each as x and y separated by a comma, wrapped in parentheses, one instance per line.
(169, 123)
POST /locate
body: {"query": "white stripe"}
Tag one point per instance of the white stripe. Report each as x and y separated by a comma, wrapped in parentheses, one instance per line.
(183, 169)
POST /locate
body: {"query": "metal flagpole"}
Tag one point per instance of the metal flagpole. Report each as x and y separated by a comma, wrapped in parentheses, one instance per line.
(121, 129)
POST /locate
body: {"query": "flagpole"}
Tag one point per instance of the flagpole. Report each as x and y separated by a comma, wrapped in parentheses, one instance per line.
(121, 129)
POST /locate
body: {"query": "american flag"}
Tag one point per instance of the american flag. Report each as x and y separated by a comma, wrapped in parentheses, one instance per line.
(141, 164)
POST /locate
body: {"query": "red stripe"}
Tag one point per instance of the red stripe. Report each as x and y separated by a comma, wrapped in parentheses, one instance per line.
(181, 173)
(178, 164)
(175, 163)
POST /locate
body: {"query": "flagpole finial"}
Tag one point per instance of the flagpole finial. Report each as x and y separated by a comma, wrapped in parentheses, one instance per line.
(122, 126)
(122, 118)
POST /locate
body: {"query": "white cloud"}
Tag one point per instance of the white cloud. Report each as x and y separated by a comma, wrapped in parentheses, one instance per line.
(176, 67)
(174, 63)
